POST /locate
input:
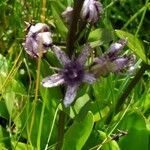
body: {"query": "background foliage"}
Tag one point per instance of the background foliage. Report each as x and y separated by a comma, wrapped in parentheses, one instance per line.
(30, 114)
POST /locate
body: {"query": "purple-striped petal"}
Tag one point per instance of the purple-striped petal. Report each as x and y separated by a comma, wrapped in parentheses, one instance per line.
(62, 57)
(84, 54)
(89, 78)
(52, 81)
(70, 94)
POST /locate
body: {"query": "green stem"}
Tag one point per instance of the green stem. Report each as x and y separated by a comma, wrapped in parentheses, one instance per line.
(51, 129)
(142, 18)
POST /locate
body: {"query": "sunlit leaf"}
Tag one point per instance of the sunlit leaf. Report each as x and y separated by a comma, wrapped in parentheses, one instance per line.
(99, 37)
(110, 145)
(9, 100)
(134, 44)
(21, 146)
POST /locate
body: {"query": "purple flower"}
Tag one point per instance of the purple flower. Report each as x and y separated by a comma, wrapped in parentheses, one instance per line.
(91, 10)
(38, 38)
(111, 61)
(72, 74)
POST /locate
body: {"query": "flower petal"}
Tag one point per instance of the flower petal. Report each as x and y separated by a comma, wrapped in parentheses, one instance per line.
(84, 54)
(45, 39)
(120, 63)
(70, 94)
(117, 46)
(62, 57)
(37, 28)
(31, 46)
(53, 80)
(89, 78)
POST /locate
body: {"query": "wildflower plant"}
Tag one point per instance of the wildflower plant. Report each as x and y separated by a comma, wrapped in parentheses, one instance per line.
(86, 84)
(74, 70)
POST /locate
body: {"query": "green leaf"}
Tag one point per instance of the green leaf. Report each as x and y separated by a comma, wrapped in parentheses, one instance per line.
(9, 100)
(77, 107)
(78, 133)
(26, 119)
(80, 102)
(99, 37)
(59, 23)
(111, 145)
(134, 44)
(20, 146)
(3, 110)
(98, 111)
(5, 138)
(138, 135)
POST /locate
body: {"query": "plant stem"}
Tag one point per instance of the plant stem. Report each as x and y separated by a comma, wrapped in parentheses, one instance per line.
(70, 50)
(127, 91)
(73, 27)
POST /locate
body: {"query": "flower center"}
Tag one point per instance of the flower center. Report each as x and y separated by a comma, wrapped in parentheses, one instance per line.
(73, 73)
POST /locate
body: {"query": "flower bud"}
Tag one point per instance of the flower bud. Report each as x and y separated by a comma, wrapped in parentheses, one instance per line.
(38, 38)
(91, 10)
(67, 14)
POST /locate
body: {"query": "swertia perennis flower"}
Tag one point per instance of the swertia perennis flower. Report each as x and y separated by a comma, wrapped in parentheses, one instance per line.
(38, 38)
(111, 61)
(72, 74)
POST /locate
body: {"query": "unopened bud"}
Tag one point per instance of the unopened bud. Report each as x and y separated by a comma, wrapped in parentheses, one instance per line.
(67, 14)
(91, 11)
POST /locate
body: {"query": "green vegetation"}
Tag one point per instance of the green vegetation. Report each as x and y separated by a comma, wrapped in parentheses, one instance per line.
(111, 114)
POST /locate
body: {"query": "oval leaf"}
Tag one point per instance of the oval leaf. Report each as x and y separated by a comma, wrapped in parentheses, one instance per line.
(134, 44)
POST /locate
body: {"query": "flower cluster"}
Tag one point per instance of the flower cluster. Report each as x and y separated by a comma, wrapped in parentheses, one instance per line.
(37, 39)
(112, 61)
(73, 72)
